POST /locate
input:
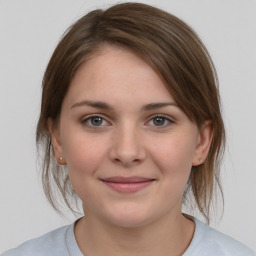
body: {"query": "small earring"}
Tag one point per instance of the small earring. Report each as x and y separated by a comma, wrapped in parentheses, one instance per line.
(200, 160)
(60, 158)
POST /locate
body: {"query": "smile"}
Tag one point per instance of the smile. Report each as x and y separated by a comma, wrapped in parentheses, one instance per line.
(127, 184)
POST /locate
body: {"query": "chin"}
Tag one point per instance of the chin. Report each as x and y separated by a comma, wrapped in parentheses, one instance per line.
(130, 218)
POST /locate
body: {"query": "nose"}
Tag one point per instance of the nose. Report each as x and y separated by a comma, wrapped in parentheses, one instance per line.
(127, 146)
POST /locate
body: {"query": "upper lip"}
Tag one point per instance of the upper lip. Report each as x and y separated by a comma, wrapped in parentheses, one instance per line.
(132, 179)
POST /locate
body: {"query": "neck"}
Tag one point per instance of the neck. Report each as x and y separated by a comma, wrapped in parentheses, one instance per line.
(169, 236)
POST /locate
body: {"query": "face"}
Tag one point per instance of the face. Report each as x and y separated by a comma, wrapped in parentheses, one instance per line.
(128, 147)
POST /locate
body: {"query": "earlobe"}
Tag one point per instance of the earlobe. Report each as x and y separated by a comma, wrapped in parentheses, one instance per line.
(56, 142)
(204, 143)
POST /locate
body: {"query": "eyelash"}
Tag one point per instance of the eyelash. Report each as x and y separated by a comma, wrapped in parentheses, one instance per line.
(90, 118)
(166, 118)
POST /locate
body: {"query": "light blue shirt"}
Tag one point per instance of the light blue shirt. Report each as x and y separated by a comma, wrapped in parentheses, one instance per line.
(61, 242)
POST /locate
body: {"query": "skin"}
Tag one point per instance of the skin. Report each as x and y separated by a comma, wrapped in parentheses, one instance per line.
(127, 140)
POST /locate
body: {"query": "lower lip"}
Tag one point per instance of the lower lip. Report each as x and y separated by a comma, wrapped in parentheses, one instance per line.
(128, 187)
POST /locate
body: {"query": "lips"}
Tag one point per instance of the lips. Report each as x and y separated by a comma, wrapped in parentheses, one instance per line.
(127, 184)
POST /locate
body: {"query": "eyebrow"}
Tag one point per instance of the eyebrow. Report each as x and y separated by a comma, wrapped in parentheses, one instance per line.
(153, 106)
(105, 106)
(95, 104)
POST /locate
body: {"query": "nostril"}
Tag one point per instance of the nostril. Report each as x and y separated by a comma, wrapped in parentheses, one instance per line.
(127, 161)
(127, 149)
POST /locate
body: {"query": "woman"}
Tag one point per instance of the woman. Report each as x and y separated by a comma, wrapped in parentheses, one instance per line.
(130, 111)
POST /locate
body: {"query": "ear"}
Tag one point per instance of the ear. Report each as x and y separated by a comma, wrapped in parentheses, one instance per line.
(56, 141)
(203, 143)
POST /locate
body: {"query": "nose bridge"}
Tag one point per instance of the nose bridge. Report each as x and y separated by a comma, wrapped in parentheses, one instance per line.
(127, 146)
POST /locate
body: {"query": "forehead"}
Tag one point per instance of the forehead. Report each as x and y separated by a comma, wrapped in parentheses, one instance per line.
(114, 72)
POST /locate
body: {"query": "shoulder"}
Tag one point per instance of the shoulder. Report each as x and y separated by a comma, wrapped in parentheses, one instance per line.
(52, 243)
(210, 242)
(221, 243)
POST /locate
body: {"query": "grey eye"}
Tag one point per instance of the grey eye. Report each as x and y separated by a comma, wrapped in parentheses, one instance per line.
(96, 121)
(159, 121)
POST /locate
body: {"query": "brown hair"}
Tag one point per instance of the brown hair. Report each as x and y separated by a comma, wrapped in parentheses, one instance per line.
(172, 49)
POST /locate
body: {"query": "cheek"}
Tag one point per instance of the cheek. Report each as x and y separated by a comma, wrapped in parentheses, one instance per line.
(174, 158)
(83, 154)
(84, 158)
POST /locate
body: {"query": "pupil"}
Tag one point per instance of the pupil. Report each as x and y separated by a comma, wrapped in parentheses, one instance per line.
(96, 121)
(159, 121)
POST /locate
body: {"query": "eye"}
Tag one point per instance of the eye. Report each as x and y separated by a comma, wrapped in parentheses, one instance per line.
(160, 121)
(95, 121)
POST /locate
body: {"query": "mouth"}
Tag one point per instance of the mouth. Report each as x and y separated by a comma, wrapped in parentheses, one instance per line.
(127, 184)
